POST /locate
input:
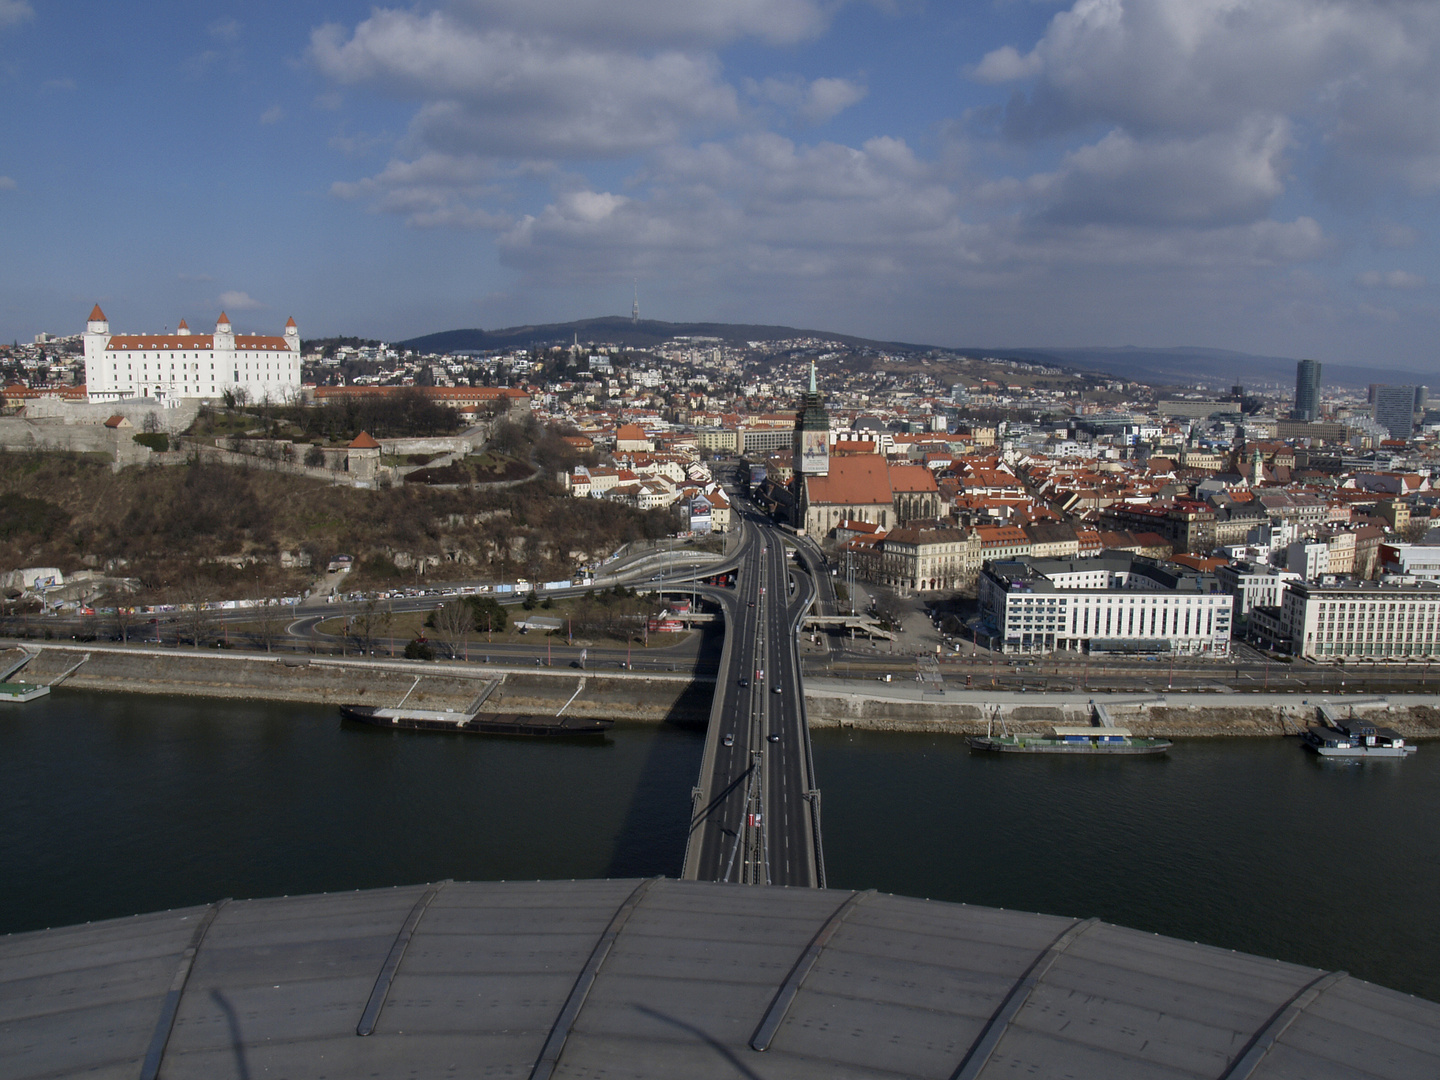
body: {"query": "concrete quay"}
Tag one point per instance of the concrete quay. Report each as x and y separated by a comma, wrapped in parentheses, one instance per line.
(897, 706)
(681, 698)
(655, 697)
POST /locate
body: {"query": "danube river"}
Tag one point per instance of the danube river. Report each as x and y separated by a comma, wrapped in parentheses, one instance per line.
(111, 805)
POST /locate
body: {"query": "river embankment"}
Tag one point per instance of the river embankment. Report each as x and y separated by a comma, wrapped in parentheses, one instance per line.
(655, 697)
(910, 707)
(681, 698)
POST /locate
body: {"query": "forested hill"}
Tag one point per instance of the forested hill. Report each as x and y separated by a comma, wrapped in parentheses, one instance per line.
(615, 330)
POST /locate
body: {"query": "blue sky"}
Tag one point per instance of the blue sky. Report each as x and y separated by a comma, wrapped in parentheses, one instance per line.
(1249, 174)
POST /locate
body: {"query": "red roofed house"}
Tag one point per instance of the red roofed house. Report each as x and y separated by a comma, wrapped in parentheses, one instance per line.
(632, 437)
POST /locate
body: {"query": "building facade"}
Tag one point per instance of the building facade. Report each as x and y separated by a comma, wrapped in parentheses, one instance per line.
(1395, 410)
(1307, 391)
(168, 367)
(1361, 621)
(1111, 603)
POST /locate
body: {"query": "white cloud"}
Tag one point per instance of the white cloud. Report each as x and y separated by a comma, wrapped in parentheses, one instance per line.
(434, 191)
(813, 102)
(239, 301)
(1360, 74)
(652, 22)
(1217, 179)
(7, 184)
(1004, 65)
(14, 12)
(521, 96)
(1390, 279)
(827, 98)
(225, 30)
(272, 115)
(1393, 234)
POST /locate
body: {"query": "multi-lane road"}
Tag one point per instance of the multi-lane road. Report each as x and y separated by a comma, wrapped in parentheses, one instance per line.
(756, 810)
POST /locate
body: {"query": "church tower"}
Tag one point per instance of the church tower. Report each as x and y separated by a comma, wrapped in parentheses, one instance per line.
(811, 444)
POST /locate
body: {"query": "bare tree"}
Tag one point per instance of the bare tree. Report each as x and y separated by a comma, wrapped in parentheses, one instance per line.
(453, 623)
(369, 623)
(888, 607)
(270, 618)
(196, 621)
(124, 620)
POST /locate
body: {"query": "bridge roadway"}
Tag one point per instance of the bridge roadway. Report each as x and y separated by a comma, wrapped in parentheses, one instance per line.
(755, 810)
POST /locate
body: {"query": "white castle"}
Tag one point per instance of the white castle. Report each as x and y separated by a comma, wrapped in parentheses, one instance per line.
(168, 367)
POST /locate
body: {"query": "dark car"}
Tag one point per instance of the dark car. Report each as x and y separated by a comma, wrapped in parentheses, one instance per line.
(744, 682)
(775, 690)
(772, 737)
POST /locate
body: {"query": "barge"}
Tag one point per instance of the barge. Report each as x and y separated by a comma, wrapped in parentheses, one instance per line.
(1071, 740)
(473, 723)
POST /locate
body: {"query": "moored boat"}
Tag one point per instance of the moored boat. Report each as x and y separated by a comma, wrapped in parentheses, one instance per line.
(1071, 740)
(1355, 738)
(464, 723)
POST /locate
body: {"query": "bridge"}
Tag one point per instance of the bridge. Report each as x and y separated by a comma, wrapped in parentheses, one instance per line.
(755, 810)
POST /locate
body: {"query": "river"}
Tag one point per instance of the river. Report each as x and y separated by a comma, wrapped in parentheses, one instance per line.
(116, 804)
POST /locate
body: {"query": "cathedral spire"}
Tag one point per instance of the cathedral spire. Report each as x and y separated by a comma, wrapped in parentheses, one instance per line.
(812, 376)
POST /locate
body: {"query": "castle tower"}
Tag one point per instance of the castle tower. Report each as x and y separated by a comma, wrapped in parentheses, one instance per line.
(183, 330)
(292, 335)
(97, 336)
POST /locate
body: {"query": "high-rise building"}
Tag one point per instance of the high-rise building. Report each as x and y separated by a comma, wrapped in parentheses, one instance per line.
(1307, 390)
(1395, 409)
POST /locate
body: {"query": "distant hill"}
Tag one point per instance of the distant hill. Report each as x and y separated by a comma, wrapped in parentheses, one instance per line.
(617, 330)
(1168, 365)
(1190, 365)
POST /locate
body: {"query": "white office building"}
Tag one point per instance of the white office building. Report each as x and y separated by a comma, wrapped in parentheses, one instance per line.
(168, 367)
(1115, 603)
(1253, 586)
(1361, 621)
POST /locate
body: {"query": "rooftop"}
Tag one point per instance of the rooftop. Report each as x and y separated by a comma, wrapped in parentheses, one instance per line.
(671, 979)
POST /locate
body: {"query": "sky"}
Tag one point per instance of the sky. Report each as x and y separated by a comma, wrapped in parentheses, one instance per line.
(1259, 175)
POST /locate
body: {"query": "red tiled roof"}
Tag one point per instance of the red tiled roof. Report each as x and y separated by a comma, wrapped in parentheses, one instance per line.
(96, 315)
(853, 481)
(363, 441)
(912, 478)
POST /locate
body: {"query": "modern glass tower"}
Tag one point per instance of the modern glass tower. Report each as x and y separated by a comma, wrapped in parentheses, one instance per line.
(1307, 390)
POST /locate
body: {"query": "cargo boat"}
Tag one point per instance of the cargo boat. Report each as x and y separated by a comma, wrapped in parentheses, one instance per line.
(1356, 739)
(1071, 740)
(473, 723)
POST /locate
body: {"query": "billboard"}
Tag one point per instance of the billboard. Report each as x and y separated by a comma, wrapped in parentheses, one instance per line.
(814, 452)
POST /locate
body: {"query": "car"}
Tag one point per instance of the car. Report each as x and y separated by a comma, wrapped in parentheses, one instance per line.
(729, 740)
(752, 603)
(775, 690)
(772, 737)
(744, 681)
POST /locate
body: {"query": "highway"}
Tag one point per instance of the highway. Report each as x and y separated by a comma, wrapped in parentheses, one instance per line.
(754, 818)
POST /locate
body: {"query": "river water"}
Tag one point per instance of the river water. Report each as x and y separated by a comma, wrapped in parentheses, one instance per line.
(116, 804)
